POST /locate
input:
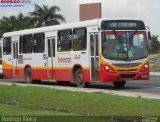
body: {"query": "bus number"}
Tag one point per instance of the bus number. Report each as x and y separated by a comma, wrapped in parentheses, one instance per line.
(77, 56)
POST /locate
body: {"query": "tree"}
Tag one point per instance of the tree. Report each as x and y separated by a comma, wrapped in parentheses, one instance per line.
(7, 24)
(46, 16)
(154, 44)
(14, 23)
(23, 22)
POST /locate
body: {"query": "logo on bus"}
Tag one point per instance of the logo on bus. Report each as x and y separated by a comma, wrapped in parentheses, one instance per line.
(64, 60)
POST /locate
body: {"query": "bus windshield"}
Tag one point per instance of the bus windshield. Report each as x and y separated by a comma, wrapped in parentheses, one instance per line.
(124, 46)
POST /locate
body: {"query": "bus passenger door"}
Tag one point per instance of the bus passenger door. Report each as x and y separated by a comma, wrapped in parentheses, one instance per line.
(51, 57)
(94, 52)
(15, 58)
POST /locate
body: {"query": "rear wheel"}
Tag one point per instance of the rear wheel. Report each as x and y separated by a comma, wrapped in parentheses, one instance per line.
(28, 75)
(79, 78)
(37, 81)
(119, 84)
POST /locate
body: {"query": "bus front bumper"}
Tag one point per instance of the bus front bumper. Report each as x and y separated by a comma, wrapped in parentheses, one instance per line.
(125, 76)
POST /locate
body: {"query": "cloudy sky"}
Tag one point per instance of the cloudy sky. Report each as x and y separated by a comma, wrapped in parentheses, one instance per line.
(147, 10)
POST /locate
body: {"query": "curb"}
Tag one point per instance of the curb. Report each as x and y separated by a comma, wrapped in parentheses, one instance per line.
(155, 73)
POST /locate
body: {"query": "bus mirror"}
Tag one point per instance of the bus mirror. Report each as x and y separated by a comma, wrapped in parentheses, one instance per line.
(149, 35)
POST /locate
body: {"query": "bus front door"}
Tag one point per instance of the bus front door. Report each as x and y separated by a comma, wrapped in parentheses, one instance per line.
(94, 62)
(15, 58)
(51, 57)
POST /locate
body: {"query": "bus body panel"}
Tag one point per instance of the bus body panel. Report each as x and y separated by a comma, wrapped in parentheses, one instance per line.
(7, 66)
(61, 65)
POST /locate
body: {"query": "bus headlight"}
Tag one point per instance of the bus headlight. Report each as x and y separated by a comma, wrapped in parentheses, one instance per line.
(109, 69)
(145, 67)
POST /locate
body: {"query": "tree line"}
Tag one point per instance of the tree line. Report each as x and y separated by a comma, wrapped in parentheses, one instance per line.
(154, 44)
(39, 17)
(46, 16)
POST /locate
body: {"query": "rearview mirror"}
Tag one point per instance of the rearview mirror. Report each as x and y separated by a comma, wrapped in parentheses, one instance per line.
(149, 35)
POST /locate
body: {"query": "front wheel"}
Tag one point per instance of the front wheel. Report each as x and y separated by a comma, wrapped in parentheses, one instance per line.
(119, 84)
(63, 83)
(79, 78)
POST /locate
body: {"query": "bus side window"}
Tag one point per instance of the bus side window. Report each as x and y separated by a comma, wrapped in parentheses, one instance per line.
(20, 45)
(64, 40)
(27, 44)
(7, 46)
(79, 39)
(38, 43)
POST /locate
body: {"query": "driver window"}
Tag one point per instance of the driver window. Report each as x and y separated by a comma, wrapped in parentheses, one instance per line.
(135, 40)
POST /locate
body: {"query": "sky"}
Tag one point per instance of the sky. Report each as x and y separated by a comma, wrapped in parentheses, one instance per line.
(146, 10)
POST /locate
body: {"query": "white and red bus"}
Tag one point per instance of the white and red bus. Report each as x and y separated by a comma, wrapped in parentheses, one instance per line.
(100, 50)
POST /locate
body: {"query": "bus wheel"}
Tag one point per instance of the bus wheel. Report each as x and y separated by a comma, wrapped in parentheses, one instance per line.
(62, 83)
(119, 84)
(28, 75)
(79, 78)
(37, 81)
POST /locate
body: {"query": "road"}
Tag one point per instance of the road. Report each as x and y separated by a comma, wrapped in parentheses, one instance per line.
(134, 88)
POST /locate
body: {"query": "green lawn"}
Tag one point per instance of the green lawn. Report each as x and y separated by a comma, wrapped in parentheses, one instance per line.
(78, 103)
(22, 110)
(155, 69)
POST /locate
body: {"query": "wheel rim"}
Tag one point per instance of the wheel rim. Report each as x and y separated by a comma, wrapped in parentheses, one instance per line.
(80, 78)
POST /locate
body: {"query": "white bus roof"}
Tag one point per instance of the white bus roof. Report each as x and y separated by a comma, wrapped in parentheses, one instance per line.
(53, 28)
(59, 27)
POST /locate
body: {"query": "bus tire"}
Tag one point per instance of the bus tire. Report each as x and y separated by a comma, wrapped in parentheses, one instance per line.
(119, 84)
(37, 81)
(63, 83)
(79, 78)
(28, 75)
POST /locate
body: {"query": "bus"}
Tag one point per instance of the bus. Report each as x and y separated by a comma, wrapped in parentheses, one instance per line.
(1, 74)
(100, 50)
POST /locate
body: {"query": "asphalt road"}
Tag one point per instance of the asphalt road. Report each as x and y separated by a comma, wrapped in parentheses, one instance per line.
(151, 86)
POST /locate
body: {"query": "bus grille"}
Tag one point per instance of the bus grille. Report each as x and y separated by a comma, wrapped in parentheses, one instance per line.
(130, 70)
(127, 75)
(126, 65)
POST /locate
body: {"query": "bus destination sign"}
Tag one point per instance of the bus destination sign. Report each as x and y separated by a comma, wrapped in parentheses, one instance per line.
(122, 25)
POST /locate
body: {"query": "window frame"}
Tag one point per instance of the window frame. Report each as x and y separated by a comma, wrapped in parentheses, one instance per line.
(82, 49)
(31, 44)
(34, 38)
(60, 41)
(21, 44)
(10, 46)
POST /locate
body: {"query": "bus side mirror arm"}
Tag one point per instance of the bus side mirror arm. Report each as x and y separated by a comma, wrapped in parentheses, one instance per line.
(148, 32)
(149, 35)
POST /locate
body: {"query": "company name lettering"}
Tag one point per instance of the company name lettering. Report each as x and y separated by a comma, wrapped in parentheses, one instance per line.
(64, 60)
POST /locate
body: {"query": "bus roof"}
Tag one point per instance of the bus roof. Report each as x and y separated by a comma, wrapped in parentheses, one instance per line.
(87, 23)
(53, 28)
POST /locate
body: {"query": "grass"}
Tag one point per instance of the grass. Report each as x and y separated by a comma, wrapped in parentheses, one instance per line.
(155, 69)
(22, 110)
(93, 104)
